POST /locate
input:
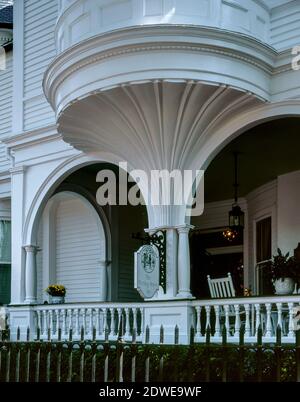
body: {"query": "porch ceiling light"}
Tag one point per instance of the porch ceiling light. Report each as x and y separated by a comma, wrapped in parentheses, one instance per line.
(236, 215)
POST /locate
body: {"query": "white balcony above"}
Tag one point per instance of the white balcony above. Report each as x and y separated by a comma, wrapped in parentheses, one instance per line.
(82, 19)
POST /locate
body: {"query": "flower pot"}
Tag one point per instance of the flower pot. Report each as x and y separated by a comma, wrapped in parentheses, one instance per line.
(284, 286)
(57, 299)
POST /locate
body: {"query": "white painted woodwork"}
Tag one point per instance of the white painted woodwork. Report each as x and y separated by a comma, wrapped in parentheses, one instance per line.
(102, 317)
(30, 275)
(249, 312)
(41, 295)
(80, 19)
(184, 284)
(133, 90)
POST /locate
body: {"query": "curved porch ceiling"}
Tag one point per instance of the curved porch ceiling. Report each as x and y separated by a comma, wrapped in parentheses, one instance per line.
(152, 125)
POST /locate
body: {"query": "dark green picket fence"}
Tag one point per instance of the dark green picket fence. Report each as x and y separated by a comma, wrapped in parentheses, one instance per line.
(94, 361)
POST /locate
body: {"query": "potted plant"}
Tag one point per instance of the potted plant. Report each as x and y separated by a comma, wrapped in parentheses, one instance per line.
(57, 293)
(284, 272)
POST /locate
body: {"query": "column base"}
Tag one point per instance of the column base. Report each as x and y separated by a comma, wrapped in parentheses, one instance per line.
(168, 315)
(30, 301)
(184, 295)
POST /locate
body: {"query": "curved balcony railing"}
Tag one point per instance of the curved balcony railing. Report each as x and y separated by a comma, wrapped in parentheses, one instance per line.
(82, 19)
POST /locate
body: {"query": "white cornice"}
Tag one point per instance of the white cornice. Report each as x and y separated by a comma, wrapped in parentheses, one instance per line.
(157, 38)
(30, 138)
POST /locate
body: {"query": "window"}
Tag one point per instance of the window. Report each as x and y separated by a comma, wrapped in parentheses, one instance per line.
(263, 253)
(263, 240)
(5, 261)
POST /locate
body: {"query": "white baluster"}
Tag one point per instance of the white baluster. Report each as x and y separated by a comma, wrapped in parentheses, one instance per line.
(207, 310)
(51, 322)
(84, 320)
(57, 321)
(70, 316)
(218, 326)
(257, 316)
(247, 321)
(45, 326)
(91, 324)
(98, 329)
(127, 323)
(77, 321)
(119, 319)
(112, 321)
(198, 315)
(227, 324)
(64, 322)
(279, 315)
(269, 323)
(135, 326)
(105, 326)
(39, 318)
(142, 312)
(237, 323)
(291, 323)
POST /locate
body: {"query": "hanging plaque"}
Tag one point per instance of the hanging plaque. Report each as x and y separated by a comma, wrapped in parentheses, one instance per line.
(146, 270)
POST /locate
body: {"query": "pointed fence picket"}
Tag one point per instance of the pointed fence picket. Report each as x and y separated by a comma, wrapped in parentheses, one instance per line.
(58, 360)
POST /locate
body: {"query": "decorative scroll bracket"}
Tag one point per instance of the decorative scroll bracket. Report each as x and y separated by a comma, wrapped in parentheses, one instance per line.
(159, 240)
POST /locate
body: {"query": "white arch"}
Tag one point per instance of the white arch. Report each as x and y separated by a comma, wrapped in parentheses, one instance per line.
(53, 180)
(99, 266)
(215, 141)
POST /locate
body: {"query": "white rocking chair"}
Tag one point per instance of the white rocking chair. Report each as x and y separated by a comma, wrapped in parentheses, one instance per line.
(222, 288)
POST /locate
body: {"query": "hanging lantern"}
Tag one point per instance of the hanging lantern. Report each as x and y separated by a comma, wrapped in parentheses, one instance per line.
(236, 215)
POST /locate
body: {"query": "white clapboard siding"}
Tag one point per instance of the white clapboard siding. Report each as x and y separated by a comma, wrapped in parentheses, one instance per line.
(39, 50)
(6, 96)
(285, 26)
(80, 246)
(5, 108)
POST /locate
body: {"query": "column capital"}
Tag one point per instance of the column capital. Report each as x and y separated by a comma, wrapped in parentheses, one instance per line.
(184, 228)
(30, 248)
(18, 169)
(158, 228)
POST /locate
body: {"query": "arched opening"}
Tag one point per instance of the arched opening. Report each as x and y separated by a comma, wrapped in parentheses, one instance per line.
(73, 248)
(85, 246)
(269, 182)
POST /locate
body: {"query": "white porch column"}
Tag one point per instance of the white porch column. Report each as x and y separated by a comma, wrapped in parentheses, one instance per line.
(30, 275)
(184, 274)
(17, 220)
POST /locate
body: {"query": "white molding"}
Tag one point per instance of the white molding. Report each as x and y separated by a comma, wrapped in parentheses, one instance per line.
(225, 250)
(32, 137)
(156, 38)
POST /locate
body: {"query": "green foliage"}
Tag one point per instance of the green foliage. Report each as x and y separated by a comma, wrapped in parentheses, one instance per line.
(179, 363)
(56, 290)
(283, 266)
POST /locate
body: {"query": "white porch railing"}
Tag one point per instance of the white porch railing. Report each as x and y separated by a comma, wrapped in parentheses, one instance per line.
(104, 318)
(215, 314)
(252, 312)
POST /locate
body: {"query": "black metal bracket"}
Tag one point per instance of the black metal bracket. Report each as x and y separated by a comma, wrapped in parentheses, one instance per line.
(159, 240)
